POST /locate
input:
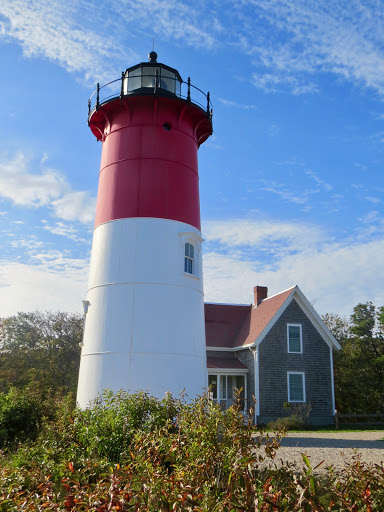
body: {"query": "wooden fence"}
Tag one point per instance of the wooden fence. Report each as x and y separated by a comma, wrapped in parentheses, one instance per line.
(361, 420)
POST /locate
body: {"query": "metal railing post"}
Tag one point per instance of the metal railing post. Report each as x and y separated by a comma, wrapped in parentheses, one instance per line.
(97, 96)
(122, 85)
(208, 102)
(156, 80)
(189, 89)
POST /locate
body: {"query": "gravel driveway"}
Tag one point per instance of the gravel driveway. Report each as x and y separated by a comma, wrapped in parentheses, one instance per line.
(334, 448)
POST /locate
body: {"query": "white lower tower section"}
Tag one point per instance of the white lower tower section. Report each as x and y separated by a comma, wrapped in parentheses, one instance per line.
(144, 325)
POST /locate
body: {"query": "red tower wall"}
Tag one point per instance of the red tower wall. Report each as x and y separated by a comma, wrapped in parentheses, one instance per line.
(149, 158)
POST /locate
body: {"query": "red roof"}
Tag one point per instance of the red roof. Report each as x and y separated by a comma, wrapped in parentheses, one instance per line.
(229, 326)
(225, 362)
(223, 323)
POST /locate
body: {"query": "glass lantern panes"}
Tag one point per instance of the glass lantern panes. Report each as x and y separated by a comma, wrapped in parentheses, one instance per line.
(134, 79)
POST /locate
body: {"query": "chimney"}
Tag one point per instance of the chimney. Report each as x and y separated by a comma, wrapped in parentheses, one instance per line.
(261, 293)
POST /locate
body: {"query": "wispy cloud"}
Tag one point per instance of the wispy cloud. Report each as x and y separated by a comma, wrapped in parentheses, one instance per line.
(75, 206)
(66, 230)
(31, 244)
(43, 186)
(26, 188)
(234, 104)
(295, 40)
(240, 232)
(50, 28)
(373, 200)
(288, 42)
(195, 25)
(300, 197)
(318, 180)
(50, 287)
(335, 275)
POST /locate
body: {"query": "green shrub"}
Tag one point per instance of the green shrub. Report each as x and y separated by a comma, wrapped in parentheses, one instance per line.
(107, 428)
(20, 414)
(174, 456)
(293, 422)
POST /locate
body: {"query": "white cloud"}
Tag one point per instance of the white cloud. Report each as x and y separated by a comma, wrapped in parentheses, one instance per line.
(241, 232)
(26, 188)
(290, 41)
(27, 288)
(335, 277)
(49, 28)
(172, 20)
(44, 187)
(374, 200)
(241, 106)
(301, 197)
(31, 244)
(318, 180)
(372, 216)
(61, 229)
(65, 33)
(75, 206)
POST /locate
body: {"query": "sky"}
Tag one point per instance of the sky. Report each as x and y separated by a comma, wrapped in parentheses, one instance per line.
(291, 182)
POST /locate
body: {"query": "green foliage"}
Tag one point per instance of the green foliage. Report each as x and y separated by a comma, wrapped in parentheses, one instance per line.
(108, 427)
(40, 350)
(177, 457)
(292, 422)
(297, 418)
(359, 365)
(19, 416)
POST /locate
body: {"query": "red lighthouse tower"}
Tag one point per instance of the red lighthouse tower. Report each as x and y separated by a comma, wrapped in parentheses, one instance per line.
(144, 327)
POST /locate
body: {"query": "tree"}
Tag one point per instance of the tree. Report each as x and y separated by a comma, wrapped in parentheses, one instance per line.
(40, 349)
(359, 365)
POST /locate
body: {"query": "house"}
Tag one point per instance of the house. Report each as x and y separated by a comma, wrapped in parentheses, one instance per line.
(277, 350)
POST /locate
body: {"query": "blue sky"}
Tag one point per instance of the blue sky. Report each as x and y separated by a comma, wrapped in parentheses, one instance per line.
(291, 182)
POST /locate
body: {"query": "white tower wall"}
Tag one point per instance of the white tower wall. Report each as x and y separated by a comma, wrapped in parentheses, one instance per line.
(144, 326)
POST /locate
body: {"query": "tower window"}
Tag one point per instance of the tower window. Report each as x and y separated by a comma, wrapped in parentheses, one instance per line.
(189, 259)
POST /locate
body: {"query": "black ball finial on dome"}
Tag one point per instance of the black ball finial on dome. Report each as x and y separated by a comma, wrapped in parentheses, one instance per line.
(152, 56)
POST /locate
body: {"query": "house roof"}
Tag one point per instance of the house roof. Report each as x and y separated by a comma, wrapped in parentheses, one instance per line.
(225, 362)
(223, 323)
(234, 327)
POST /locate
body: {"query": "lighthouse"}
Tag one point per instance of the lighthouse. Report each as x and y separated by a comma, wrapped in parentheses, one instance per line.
(144, 311)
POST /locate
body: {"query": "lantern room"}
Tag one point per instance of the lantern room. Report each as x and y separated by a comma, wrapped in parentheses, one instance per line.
(148, 77)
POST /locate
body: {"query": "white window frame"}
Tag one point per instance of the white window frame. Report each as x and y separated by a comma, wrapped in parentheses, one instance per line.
(301, 339)
(228, 373)
(188, 258)
(289, 388)
(195, 240)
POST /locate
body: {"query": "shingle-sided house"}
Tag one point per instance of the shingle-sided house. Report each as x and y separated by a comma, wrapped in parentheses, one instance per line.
(278, 350)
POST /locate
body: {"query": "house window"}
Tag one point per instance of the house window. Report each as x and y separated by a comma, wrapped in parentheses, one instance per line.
(295, 339)
(223, 389)
(189, 259)
(296, 387)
